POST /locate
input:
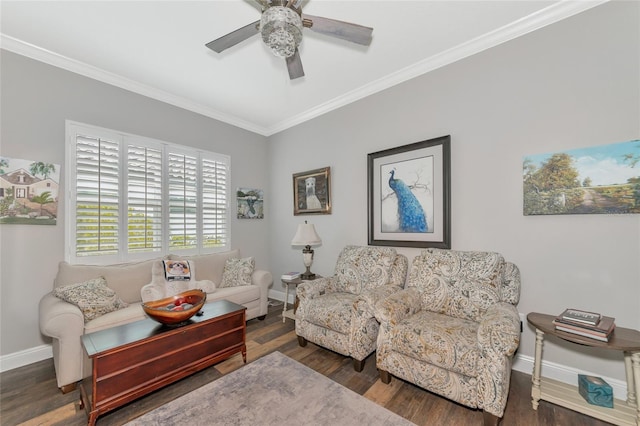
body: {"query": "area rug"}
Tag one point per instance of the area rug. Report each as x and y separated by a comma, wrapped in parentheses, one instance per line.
(273, 390)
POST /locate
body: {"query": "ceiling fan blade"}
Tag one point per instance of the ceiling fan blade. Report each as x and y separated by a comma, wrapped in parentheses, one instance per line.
(234, 37)
(294, 65)
(345, 30)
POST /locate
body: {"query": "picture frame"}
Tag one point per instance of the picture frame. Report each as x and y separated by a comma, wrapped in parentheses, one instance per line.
(312, 192)
(409, 195)
(250, 203)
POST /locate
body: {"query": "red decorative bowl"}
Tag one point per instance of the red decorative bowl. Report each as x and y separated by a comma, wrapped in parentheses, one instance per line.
(176, 309)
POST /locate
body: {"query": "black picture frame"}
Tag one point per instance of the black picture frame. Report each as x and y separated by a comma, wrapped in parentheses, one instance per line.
(399, 177)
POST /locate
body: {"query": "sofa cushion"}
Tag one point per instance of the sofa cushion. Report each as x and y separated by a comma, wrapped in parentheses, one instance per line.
(237, 272)
(332, 311)
(126, 279)
(126, 315)
(93, 297)
(447, 342)
(241, 295)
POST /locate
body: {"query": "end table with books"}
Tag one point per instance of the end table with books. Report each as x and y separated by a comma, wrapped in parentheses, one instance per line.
(621, 339)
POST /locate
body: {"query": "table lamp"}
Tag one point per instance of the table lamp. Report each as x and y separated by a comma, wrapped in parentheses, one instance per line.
(307, 237)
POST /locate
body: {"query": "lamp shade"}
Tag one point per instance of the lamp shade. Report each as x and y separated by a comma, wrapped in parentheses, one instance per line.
(306, 235)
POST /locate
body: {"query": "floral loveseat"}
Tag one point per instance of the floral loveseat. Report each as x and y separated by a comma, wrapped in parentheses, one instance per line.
(454, 329)
(125, 286)
(338, 312)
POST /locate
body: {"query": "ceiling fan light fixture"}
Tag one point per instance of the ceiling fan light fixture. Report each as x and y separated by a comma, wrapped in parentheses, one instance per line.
(281, 29)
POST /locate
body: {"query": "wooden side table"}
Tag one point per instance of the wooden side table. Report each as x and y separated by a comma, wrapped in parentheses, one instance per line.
(623, 339)
(291, 313)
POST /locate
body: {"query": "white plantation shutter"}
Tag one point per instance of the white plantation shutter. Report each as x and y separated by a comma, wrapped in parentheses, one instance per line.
(132, 197)
(97, 196)
(214, 201)
(144, 199)
(183, 208)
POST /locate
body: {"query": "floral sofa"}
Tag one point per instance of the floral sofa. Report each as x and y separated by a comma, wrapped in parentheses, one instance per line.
(337, 312)
(454, 329)
(72, 309)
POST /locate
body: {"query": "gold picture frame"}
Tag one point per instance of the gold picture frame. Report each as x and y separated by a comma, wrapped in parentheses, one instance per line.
(312, 192)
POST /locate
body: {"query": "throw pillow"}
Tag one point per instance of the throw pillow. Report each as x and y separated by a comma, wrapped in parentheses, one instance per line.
(93, 297)
(161, 287)
(237, 272)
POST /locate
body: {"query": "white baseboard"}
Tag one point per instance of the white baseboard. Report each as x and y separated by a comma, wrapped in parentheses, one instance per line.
(26, 357)
(279, 295)
(568, 375)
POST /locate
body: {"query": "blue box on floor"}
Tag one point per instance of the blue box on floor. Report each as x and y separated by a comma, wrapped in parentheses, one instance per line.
(595, 390)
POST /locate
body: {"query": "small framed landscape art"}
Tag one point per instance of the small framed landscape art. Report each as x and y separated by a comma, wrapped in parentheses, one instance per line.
(28, 191)
(312, 192)
(409, 195)
(250, 203)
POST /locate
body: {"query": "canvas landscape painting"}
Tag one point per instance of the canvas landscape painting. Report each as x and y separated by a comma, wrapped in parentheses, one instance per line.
(596, 180)
(28, 191)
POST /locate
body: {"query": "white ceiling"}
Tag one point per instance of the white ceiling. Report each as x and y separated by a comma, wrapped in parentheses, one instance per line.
(157, 48)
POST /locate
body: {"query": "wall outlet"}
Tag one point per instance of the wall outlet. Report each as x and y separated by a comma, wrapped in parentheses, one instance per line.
(523, 319)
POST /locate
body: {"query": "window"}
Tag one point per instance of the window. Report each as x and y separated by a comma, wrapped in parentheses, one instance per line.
(132, 197)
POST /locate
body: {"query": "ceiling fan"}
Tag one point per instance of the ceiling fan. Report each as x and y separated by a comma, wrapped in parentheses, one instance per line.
(281, 29)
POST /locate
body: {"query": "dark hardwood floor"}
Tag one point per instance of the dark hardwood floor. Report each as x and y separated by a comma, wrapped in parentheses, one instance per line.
(29, 395)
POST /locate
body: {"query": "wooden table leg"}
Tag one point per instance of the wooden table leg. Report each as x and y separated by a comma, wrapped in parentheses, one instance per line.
(537, 367)
(631, 389)
(286, 299)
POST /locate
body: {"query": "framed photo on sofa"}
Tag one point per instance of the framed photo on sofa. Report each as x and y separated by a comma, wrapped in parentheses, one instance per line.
(409, 195)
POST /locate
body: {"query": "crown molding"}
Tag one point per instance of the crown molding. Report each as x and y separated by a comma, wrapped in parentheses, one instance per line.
(43, 55)
(547, 16)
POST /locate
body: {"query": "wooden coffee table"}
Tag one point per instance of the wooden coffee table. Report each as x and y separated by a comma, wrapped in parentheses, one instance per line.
(133, 359)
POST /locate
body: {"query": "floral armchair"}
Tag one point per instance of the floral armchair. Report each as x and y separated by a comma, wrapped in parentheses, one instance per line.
(454, 329)
(338, 312)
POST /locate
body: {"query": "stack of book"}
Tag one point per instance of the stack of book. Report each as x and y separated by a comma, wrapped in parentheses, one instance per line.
(586, 324)
(290, 276)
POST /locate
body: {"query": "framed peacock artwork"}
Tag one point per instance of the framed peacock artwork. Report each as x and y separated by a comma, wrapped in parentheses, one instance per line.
(409, 190)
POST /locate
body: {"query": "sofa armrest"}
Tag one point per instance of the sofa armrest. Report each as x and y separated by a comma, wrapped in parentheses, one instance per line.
(63, 322)
(261, 278)
(499, 329)
(368, 299)
(397, 306)
(310, 289)
(60, 319)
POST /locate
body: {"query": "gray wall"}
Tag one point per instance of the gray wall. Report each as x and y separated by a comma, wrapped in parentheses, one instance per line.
(573, 84)
(36, 101)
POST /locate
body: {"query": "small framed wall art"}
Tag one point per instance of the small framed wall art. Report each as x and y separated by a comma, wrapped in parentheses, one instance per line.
(312, 192)
(28, 191)
(250, 203)
(409, 195)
